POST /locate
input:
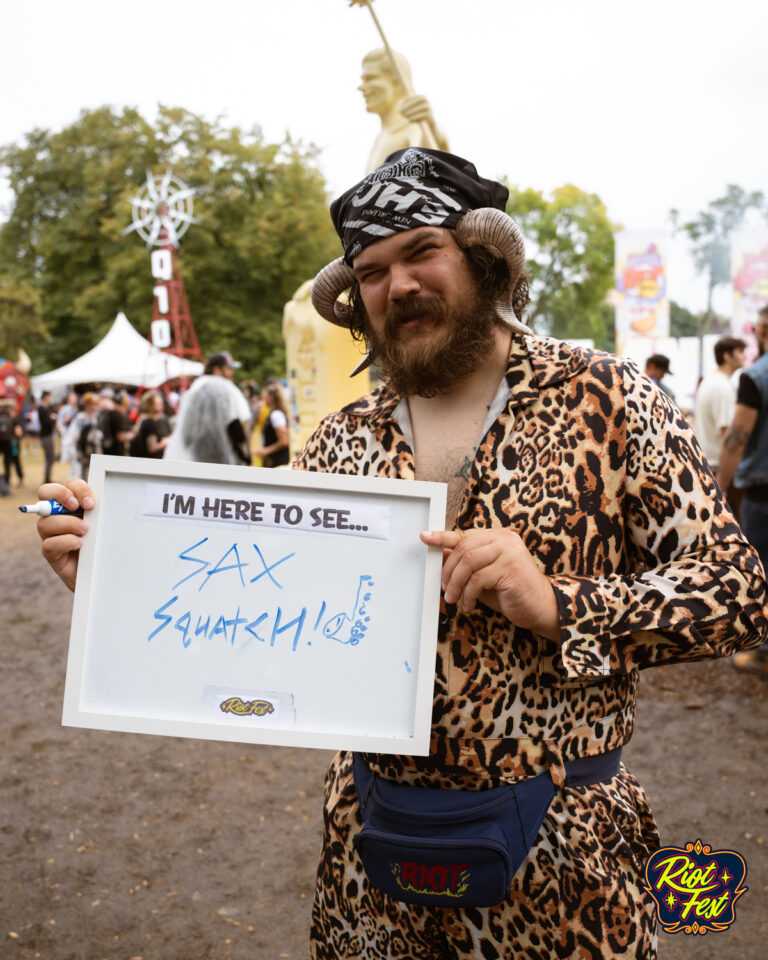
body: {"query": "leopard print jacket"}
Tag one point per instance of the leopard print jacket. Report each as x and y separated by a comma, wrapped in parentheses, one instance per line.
(600, 474)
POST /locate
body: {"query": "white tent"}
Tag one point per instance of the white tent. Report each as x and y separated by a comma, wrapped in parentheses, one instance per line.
(124, 357)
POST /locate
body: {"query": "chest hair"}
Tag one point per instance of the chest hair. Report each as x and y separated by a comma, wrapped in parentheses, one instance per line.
(449, 465)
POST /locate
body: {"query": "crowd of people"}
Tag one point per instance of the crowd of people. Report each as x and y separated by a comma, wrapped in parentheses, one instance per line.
(213, 421)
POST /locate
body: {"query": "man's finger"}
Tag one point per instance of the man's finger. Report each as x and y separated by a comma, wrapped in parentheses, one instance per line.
(61, 525)
(56, 548)
(462, 565)
(59, 493)
(447, 539)
(484, 580)
(72, 495)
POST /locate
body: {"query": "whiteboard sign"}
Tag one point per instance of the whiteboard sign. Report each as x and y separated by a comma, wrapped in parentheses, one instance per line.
(258, 605)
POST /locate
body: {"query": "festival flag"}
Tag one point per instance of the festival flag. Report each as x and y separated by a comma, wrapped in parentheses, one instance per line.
(641, 301)
(749, 278)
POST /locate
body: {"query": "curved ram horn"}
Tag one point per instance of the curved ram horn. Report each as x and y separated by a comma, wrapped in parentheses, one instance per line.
(494, 229)
(327, 286)
(365, 362)
(497, 231)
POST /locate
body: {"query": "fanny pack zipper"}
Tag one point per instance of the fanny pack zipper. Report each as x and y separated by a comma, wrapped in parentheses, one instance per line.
(452, 815)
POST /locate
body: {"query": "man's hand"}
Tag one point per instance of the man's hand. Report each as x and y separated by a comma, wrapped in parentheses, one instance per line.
(417, 109)
(62, 534)
(495, 567)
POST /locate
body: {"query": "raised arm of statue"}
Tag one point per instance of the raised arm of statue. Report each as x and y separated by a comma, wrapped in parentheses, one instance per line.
(406, 118)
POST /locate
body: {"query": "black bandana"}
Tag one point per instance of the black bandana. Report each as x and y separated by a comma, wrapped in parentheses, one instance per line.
(416, 187)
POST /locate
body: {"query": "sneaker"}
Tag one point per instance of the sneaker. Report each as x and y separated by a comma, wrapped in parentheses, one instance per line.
(752, 661)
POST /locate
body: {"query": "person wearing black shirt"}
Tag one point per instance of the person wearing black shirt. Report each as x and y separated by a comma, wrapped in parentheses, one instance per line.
(47, 423)
(744, 460)
(274, 450)
(153, 430)
(114, 425)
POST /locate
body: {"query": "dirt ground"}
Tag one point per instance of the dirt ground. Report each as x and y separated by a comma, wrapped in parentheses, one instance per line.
(118, 846)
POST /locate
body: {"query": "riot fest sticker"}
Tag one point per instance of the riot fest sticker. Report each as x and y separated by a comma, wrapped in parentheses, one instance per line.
(695, 888)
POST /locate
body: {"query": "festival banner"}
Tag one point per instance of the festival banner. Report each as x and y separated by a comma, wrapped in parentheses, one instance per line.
(641, 301)
(749, 278)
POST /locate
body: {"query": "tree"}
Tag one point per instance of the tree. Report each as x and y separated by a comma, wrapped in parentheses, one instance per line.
(20, 323)
(569, 244)
(684, 323)
(710, 233)
(263, 228)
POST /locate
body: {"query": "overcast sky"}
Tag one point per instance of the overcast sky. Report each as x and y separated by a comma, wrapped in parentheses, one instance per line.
(650, 105)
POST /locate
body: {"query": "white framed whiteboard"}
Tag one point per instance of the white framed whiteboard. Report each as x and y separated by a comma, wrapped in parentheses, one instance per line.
(266, 606)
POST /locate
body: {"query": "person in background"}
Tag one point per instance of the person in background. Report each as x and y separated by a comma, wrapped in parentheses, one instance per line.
(275, 440)
(715, 401)
(68, 441)
(259, 413)
(203, 431)
(657, 367)
(116, 428)
(125, 404)
(18, 435)
(47, 420)
(152, 432)
(10, 434)
(65, 413)
(744, 462)
(31, 426)
(222, 367)
(83, 437)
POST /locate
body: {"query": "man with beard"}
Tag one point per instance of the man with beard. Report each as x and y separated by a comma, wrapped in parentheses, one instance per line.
(585, 539)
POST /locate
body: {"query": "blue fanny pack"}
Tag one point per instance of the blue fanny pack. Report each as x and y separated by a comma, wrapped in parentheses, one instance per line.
(456, 848)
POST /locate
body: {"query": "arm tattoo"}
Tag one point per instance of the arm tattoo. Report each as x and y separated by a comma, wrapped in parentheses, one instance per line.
(735, 439)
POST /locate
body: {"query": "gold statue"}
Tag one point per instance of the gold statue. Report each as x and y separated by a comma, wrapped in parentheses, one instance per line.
(406, 118)
(319, 357)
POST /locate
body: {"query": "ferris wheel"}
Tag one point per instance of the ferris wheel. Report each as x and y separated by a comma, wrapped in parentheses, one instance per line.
(164, 202)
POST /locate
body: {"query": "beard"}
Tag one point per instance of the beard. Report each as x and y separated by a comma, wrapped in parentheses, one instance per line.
(464, 334)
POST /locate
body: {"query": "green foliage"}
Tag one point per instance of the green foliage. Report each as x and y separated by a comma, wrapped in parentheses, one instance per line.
(710, 233)
(20, 323)
(569, 245)
(263, 229)
(683, 323)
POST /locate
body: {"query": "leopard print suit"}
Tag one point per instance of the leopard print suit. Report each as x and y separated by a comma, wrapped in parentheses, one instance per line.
(601, 476)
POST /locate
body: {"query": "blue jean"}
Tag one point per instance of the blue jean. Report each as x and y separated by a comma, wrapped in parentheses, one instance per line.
(754, 523)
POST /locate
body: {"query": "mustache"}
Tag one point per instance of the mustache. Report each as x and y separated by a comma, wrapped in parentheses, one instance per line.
(402, 311)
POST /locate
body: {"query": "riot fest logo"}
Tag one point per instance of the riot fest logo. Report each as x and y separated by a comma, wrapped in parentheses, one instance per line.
(695, 888)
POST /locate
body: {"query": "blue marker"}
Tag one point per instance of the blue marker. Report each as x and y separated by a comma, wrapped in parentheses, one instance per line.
(47, 508)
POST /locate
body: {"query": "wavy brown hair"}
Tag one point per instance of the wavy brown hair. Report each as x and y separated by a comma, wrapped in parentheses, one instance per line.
(276, 394)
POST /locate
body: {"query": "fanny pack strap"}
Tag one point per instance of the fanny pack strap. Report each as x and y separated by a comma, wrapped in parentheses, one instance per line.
(585, 770)
(577, 773)
(581, 771)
